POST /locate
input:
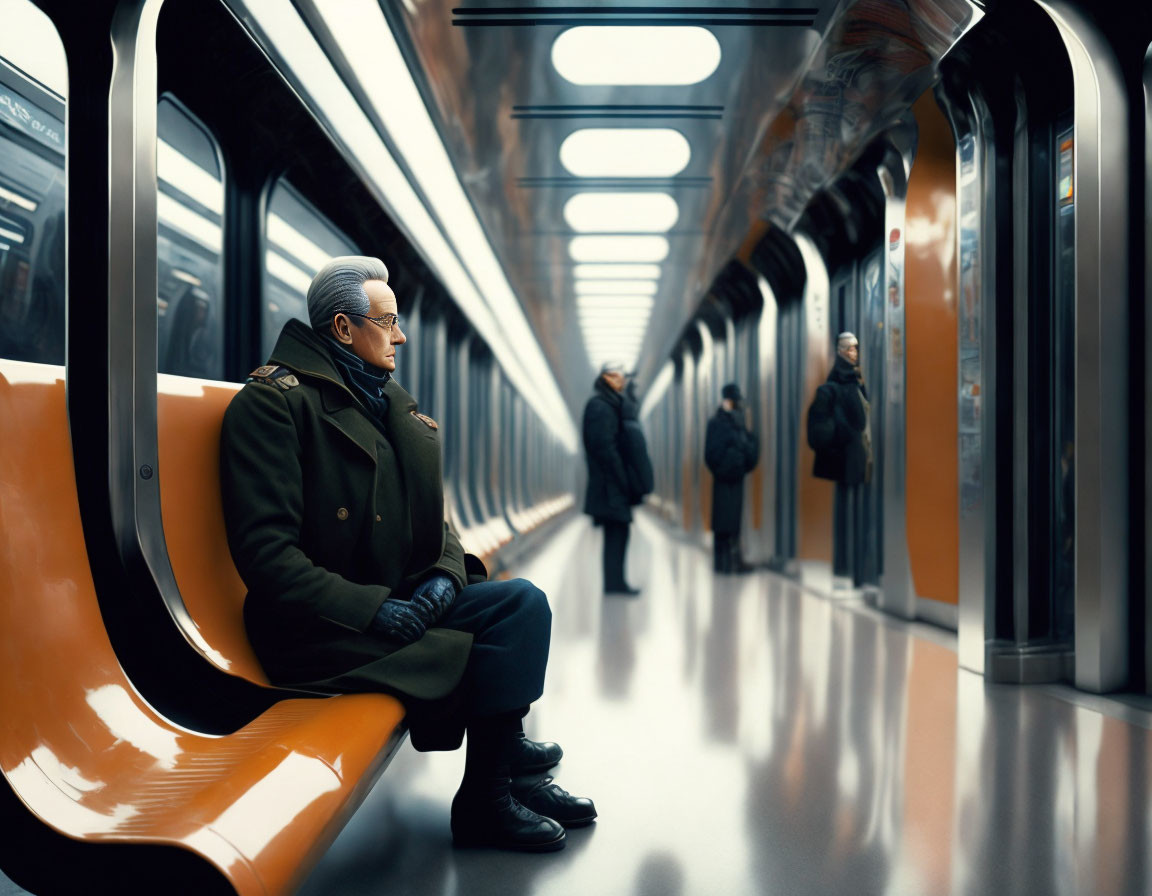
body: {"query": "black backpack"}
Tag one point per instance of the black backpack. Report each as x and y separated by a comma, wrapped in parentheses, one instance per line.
(822, 419)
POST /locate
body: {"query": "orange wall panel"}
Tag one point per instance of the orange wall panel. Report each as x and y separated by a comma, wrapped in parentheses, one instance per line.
(814, 497)
(930, 320)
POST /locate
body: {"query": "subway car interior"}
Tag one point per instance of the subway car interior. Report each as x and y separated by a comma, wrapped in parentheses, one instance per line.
(934, 678)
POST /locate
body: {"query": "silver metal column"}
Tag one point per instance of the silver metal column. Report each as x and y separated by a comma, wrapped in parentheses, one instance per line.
(897, 593)
(1147, 372)
(815, 362)
(766, 344)
(1100, 182)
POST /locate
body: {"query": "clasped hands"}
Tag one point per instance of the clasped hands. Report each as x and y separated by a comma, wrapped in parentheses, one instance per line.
(407, 620)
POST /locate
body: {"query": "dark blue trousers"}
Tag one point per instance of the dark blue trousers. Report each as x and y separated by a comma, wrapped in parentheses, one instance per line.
(511, 626)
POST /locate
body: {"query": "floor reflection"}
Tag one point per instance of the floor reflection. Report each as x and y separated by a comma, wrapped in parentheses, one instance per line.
(741, 736)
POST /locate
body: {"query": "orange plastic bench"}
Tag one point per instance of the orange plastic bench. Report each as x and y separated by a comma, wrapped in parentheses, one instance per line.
(189, 415)
(91, 762)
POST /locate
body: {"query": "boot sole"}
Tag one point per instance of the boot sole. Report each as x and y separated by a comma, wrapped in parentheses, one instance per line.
(577, 822)
(481, 842)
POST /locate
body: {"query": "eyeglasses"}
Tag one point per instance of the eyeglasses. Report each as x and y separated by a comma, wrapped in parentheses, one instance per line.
(384, 321)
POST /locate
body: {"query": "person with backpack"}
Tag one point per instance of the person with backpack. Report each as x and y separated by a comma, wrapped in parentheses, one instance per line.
(609, 497)
(840, 432)
(730, 453)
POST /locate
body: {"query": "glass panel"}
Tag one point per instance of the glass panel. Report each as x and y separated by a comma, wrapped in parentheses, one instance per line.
(299, 240)
(1063, 389)
(31, 188)
(189, 246)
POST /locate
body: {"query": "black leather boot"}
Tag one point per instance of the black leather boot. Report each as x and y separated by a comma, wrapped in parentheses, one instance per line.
(494, 819)
(483, 810)
(553, 801)
(737, 564)
(529, 756)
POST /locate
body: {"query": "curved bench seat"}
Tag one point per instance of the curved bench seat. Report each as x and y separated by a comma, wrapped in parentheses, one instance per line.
(89, 758)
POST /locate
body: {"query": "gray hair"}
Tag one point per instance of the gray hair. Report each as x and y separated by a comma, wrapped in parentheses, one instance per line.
(846, 338)
(338, 288)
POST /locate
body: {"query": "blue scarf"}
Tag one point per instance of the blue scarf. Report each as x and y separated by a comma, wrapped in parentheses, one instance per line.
(366, 381)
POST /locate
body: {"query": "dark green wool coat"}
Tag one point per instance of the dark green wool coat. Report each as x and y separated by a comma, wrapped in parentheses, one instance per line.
(327, 517)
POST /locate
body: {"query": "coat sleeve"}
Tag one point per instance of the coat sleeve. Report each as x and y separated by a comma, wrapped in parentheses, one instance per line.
(601, 441)
(261, 479)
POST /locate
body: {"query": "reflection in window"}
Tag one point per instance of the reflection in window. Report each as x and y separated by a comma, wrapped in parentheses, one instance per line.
(31, 187)
(299, 241)
(189, 246)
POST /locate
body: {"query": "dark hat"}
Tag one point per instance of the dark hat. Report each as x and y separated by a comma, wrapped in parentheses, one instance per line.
(731, 391)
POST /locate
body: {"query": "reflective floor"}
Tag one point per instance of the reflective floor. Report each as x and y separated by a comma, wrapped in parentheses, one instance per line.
(740, 735)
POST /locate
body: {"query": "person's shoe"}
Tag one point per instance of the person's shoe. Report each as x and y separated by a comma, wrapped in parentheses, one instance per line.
(622, 589)
(552, 801)
(502, 824)
(530, 756)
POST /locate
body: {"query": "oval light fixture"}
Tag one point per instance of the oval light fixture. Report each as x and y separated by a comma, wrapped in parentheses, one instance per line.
(616, 272)
(630, 55)
(618, 248)
(625, 152)
(616, 287)
(621, 212)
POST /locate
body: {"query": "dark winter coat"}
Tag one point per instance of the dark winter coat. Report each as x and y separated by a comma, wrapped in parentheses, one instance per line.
(634, 448)
(844, 455)
(730, 453)
(328, 516)
(608, 496)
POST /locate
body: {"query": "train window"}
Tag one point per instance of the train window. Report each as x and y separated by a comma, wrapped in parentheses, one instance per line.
(189, 246)
(33, 79)
(299, 241)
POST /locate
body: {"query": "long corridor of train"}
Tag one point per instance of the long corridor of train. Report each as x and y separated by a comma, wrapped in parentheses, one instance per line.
(797, 354)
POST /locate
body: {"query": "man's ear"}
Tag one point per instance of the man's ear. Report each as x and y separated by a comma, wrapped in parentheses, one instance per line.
(342, 329)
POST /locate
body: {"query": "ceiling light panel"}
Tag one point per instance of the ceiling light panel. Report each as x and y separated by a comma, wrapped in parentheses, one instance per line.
(618, 248)
(616, 287)
(616, 272)
(623, 303)
(621, 212)
(634, 55)
(625, 152)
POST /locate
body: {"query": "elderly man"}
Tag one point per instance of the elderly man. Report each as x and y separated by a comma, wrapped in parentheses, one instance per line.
(334, 508)
(840, 432)
(609, 497)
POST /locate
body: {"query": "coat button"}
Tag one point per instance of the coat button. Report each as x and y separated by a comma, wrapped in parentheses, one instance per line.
(342, 513)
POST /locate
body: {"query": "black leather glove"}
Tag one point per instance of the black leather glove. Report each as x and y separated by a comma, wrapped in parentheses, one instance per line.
(432, 598)
(398, 620)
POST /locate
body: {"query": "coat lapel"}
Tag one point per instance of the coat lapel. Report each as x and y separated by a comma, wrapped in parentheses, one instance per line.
(342, 411)
(417, 447)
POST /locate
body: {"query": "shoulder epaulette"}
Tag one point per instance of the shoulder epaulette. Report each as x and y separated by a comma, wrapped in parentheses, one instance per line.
(273, 375)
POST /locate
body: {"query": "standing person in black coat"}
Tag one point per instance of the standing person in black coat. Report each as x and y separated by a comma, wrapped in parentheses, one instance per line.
(730, 453)
(840, 431)
(608, 500)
